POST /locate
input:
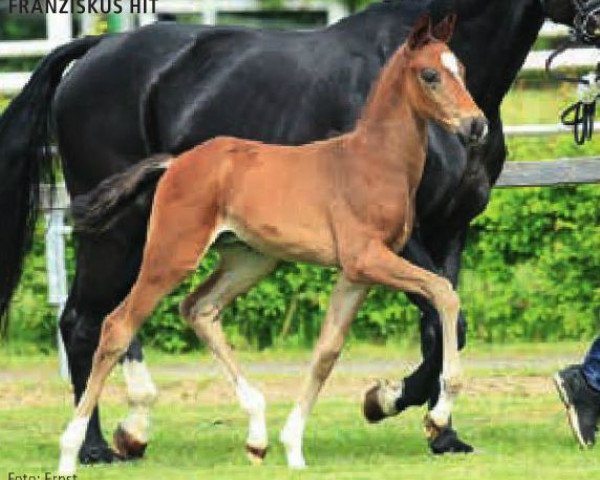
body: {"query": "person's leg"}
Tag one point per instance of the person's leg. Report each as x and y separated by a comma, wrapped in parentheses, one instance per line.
(591, 366)
(579, 389)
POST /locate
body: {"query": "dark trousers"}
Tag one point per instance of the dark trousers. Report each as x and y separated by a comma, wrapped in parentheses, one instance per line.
(591, 365)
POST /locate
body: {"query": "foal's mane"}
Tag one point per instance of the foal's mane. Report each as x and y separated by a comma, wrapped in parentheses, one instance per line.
(385, 90)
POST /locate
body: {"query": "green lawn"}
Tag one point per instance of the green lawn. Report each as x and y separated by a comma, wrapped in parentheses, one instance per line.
(512, 416)
(531, 106)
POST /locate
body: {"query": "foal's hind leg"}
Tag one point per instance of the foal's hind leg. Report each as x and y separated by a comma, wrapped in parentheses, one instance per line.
(345, 302)
(240, 268)
(176, 240)
(131, 436)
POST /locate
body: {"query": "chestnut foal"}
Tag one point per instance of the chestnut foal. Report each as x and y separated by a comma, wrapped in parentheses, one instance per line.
(347, 202)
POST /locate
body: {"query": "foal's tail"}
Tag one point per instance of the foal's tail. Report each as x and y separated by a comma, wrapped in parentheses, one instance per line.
(98, 210)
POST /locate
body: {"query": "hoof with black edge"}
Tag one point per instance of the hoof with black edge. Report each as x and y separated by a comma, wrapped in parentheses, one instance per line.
(381, 401)
(256, 455)
(127, 446)
(372, 409)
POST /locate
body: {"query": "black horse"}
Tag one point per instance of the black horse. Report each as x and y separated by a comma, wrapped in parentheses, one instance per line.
(167, 87)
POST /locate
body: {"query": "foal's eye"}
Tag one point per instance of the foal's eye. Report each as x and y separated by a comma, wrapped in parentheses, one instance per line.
(430, 75)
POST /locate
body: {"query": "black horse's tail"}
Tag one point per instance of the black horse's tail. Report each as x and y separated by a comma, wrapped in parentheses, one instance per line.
(99, 209)
(26, 161)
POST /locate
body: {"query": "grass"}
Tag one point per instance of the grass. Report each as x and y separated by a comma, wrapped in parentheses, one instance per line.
(531, 106)
(17, 355)
(516, 422)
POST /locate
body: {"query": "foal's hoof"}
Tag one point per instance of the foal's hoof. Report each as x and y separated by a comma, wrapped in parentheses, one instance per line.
(256, 455)
(98, 454)
(127, 446)
(380, 401)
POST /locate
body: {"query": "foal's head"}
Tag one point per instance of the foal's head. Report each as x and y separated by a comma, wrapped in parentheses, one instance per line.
(436, 81)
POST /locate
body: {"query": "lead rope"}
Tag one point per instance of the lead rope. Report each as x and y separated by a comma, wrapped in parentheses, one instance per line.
(580, 115)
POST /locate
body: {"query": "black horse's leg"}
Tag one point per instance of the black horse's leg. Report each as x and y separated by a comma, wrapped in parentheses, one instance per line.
(80, 337)
(106, 268)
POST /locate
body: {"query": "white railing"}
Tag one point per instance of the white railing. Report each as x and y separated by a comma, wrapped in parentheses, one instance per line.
(59, 31)
(574, 58)
(540, 130)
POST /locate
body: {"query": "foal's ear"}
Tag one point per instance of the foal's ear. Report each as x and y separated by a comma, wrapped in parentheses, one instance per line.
(421, 33)
(445, 29)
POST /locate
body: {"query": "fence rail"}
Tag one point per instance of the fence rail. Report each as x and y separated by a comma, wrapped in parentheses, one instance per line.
(13, 82)
(564, 171)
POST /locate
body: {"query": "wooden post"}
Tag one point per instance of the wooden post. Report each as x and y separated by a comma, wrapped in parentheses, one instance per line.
(335, 12)
(209, 12)
(57, 275)
(58, 27)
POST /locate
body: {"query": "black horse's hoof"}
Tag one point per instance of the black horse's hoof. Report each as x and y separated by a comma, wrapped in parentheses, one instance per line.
(372, 409)
(381, 401)
(98, 454)
(127, 446)
(447, 441)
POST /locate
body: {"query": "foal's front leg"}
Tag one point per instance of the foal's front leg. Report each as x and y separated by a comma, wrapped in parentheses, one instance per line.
(345, 302)
(379, 264)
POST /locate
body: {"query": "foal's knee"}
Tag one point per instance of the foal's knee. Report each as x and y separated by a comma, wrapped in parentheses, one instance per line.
(198, 314)
(325, 363)
(329, 352)
(445, 298)
(114, 340)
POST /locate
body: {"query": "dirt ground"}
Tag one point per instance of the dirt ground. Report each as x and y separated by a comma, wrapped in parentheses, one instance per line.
(203, 384)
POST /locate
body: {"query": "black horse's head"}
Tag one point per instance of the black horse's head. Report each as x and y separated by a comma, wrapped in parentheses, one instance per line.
(582, 15)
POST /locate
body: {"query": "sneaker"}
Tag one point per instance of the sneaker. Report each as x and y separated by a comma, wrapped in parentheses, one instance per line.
(582, 404)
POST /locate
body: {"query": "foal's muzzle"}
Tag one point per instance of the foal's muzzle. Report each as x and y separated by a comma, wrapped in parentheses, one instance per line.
(473, 130)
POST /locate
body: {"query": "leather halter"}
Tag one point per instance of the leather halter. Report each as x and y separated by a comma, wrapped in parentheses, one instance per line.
(587, 14)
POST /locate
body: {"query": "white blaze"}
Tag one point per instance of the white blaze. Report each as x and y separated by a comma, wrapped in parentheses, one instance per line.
(450, 61)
